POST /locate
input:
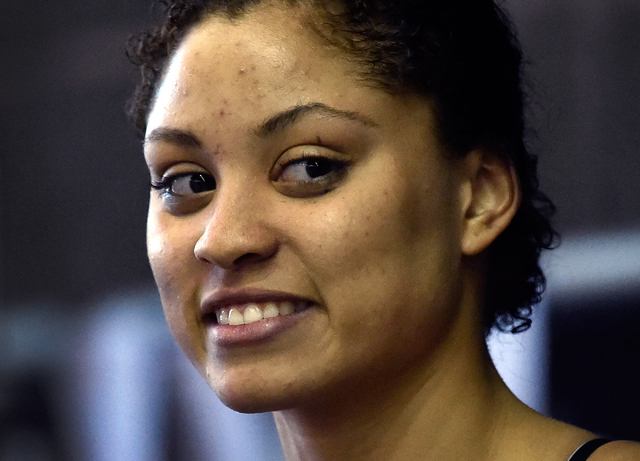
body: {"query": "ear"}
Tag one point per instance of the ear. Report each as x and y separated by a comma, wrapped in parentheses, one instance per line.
(491, 196)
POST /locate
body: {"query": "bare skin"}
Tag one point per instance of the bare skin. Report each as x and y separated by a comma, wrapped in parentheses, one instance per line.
(382, 247)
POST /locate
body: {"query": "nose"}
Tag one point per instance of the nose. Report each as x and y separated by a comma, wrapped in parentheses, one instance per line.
(237, 232)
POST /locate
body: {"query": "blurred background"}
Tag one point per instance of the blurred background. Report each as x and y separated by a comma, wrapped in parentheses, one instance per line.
(88, 370)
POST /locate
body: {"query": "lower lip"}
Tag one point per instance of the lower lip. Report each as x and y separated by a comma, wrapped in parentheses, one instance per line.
(236, 335)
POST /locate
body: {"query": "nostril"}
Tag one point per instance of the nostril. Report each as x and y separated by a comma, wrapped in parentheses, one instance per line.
(230, 243)
(249, 258)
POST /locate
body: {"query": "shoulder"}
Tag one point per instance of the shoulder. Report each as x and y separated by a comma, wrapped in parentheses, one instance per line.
(619, 450)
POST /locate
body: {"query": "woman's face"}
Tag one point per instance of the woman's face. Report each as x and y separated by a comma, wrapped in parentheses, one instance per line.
(288, 188)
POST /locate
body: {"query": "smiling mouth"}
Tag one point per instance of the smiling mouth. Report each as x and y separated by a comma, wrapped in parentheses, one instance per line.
(254, 312)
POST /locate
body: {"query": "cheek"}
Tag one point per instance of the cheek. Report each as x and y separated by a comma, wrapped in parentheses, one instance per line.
(168, 249)
(401, 248)
(386, 278)
(387, 244)
(164, 245)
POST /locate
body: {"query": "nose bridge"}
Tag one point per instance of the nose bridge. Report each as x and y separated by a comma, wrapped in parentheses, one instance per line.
(237, 228)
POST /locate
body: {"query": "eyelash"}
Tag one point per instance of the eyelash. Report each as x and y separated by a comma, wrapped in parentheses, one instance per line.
(331, 172)
(337, 166)
(167, 183)
(163, 184)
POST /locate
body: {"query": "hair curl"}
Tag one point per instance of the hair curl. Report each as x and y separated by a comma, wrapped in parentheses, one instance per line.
(460, 54)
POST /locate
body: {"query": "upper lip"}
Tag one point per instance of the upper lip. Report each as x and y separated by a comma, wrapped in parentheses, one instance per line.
(228, 297)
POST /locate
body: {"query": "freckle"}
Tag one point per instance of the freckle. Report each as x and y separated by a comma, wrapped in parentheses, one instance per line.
(222, 112)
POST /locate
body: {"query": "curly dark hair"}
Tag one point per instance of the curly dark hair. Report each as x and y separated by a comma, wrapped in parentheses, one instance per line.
(460, 54)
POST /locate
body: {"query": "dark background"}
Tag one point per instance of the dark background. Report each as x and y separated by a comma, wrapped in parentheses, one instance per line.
(595, 376)
(72, 180)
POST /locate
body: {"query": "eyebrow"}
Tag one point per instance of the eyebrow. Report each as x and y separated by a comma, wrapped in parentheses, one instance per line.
(285, 119)
(272, 125)
(173, 136)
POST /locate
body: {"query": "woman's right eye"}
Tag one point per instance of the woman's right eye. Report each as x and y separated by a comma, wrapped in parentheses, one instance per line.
(185, 184)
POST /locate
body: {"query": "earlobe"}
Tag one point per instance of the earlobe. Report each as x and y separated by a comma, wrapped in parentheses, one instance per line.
(491, 197)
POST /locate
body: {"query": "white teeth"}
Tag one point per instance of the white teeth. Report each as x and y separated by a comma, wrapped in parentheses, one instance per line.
(252, 313)
(255, 312)
(235, 317)
(286, 308)
(271, 310)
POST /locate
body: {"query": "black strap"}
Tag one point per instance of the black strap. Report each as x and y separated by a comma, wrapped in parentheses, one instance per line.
(587, 449)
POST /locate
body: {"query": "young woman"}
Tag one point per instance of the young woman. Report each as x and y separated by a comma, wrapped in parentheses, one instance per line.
(342, 207)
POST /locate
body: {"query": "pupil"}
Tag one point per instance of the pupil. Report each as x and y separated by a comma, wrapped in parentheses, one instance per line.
(318, 167)
(199, 183)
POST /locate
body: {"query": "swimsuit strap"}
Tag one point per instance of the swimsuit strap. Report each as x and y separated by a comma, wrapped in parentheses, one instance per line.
(587, 449)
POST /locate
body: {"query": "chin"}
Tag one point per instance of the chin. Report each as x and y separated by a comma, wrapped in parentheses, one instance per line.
(250, 393)
(254, 400)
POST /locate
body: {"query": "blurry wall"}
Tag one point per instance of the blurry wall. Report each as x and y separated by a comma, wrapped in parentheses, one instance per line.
(585, 74)
(73, 185)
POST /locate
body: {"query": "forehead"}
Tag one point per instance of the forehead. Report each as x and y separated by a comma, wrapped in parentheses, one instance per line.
(228, 76)
(269, 52)
(267, 33)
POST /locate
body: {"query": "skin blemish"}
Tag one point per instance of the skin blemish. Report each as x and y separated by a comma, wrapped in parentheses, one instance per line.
(217, 150)
(242, 72)
(222, 112)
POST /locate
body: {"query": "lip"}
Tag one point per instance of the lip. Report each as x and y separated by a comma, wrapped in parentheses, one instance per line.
(229, 335)
(226, 297)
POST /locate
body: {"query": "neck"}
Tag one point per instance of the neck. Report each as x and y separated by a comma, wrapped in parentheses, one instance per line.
(449, 410)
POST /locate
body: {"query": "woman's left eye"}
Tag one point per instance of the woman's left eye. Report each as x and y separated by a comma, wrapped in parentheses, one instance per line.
(311, 169)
